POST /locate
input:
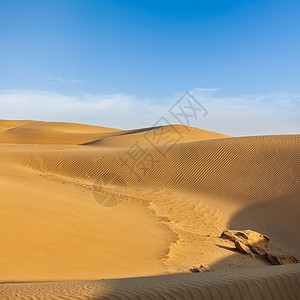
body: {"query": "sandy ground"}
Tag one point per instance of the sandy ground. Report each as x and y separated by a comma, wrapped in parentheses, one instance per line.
(82, 202)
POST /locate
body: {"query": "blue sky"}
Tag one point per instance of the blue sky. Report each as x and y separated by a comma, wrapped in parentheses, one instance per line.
(151, 51)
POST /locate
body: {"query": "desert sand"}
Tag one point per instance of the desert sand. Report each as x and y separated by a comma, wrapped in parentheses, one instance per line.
(90, 212)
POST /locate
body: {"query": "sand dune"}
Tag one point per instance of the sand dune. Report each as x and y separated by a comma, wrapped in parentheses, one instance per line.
(158, 136)
(33, 132)
(177, 188)
(37, 132)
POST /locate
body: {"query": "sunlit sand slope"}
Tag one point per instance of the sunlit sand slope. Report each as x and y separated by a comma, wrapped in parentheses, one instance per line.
(55, 230)
(277, 282)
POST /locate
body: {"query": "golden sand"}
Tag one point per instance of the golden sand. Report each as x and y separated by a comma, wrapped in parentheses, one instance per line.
(158, 212)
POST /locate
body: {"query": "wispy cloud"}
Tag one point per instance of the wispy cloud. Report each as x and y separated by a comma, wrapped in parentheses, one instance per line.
(74, 81)
(56, 79)
(274, 113)
(63, 81)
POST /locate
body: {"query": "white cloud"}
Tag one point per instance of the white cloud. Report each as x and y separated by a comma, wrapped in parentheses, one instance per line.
(275, 113)
(198, 89)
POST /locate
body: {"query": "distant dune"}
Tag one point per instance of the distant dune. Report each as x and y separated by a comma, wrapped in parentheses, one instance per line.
(33, 132)
(81, 202)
